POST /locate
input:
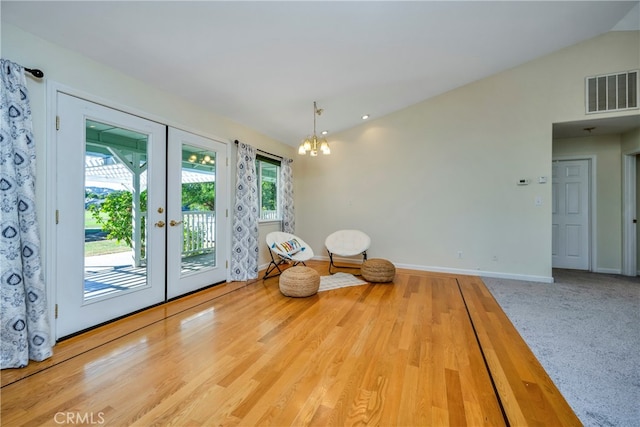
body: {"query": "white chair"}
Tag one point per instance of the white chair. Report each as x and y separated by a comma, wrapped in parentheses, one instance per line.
(287, 248)
(347, 243)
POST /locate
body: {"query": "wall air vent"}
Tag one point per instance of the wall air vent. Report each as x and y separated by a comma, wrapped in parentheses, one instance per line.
(612, 92)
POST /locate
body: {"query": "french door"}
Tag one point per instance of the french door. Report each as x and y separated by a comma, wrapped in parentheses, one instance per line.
(139, 218)
(197, 212)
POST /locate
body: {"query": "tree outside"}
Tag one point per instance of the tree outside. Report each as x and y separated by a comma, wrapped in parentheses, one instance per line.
(115, 212)
(269, 196)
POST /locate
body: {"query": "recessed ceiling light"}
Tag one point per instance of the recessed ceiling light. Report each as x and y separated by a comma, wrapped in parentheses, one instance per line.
(324, 132)
(365, 117)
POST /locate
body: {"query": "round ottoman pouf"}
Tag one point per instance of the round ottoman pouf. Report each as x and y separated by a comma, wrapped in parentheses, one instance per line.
(378, 270)
(299, 281)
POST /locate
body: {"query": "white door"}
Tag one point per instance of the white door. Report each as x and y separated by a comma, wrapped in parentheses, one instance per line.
(117, 162)
(196, 212)
(570, 214)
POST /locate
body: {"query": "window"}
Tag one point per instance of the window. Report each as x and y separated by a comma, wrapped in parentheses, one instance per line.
(268, 171)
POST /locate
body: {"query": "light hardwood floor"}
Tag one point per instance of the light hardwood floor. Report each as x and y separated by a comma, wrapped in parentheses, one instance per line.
(427, 349)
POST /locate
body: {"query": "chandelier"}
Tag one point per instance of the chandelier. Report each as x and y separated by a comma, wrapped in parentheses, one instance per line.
(312, 143)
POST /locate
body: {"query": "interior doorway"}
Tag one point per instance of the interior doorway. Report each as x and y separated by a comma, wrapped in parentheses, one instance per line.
(611, 143)
(630, 201)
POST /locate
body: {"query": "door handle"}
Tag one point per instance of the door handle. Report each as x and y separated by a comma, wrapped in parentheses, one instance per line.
(159, 224)
(173, 222)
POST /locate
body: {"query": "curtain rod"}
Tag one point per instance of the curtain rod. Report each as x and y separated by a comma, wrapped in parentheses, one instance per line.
(34, 72)
(264, 152)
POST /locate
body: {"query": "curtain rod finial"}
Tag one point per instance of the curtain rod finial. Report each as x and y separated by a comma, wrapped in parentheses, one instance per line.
(35, 72)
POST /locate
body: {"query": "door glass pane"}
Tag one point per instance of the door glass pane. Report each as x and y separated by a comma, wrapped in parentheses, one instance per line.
(115, 210)
(198, 209)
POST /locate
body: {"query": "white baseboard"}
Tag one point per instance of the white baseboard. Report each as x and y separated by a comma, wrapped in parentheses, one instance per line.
(607, 270)
(482, 273)
(493, 274)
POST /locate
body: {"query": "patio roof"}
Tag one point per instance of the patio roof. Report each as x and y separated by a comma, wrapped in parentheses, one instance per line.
(114, 153)
(115, 173)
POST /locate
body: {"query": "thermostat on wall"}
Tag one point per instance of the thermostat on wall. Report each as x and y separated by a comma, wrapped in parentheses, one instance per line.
(523, 181)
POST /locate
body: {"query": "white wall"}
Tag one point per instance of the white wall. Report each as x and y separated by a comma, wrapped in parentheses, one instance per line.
(630, 141)
(440, 177)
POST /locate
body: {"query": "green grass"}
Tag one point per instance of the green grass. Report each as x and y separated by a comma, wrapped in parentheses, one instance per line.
(100, 247)
(90, 221)
(103, 247)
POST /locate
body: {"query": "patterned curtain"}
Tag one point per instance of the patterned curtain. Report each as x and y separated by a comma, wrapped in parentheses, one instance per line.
(24, 318)
(244, 256)
(285, 193)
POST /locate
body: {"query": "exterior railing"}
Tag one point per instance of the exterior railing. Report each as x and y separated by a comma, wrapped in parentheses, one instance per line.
(198, 229)
(269, 215)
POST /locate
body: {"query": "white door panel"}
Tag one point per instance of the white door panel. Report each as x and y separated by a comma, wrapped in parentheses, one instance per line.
(197, 226)
(570, 214)
(114, 149)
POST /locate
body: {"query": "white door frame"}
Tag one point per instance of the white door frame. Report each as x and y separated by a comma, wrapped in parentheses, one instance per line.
(629, 240)
(593, 220)
(49, 223)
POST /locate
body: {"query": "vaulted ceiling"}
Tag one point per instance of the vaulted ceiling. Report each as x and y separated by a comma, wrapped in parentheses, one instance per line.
(262, 64)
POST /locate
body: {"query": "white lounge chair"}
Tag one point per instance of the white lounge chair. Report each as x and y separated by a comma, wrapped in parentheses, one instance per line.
(286, 247)
(347, 243)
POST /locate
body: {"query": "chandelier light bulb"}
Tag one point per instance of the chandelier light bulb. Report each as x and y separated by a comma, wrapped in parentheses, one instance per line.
(311, 143)
(202, 158)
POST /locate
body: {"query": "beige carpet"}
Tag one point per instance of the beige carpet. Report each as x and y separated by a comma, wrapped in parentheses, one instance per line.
(584, 329)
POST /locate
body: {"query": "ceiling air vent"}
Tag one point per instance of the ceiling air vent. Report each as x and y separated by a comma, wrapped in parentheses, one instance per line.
(612, 92)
